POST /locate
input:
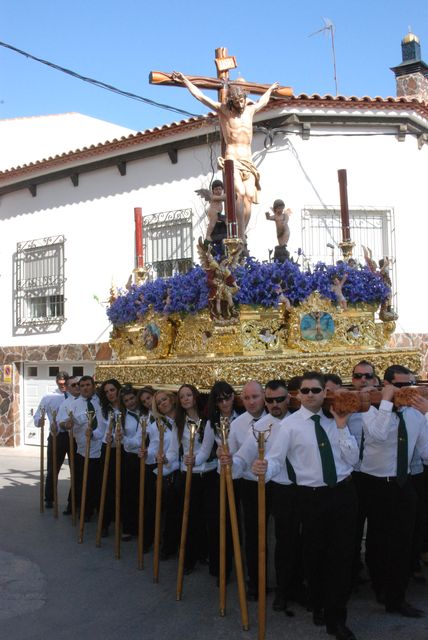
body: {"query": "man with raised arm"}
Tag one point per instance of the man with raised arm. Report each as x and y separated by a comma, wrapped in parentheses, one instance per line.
(236, 122)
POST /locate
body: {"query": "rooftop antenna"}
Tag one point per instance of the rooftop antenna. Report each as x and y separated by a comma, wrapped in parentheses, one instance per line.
(329, 26)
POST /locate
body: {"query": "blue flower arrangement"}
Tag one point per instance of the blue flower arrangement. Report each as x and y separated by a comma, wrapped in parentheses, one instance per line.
(260, 283)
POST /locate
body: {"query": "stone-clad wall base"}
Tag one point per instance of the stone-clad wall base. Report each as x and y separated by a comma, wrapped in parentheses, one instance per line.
(10, 419)
(418, 340)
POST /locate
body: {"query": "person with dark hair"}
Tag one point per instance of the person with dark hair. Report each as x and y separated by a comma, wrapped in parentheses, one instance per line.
(222, 404)
(204, 473)
(332, 381)
(131, 442)
(145, 399)
(281, 217)
(88, 401)
(391, 437)
(49, 406)
(109, 395)
(322, 453)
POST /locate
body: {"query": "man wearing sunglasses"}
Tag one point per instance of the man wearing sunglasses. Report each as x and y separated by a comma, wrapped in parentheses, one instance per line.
(322, 453)
(391, 438)
(363, 377)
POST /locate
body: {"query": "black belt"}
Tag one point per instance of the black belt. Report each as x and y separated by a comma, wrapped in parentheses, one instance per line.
(342, 483)
(382, 479)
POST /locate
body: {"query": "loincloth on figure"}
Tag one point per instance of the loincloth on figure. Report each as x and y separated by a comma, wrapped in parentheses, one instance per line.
(246, 169)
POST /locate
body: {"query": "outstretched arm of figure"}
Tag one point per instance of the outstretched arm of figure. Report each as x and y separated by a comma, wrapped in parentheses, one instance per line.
(269, 215)
(196, 93)
(262, 102)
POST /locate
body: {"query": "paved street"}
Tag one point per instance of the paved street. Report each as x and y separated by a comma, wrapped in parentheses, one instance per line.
(53, 587)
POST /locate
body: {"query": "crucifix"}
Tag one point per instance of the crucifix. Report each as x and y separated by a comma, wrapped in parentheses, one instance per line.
(235, 116)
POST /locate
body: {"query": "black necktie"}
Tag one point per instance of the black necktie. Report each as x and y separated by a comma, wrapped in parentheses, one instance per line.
(402, 452)
(91, 409)
(327, 459)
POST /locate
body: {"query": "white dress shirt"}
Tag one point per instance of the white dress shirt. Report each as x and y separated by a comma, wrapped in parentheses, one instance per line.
(239, 429)
(80, 424)
(380, 439)
(297, 441)
(65, 408)
(201, 450)
(100, 433)
(248, 452)
(50, 402)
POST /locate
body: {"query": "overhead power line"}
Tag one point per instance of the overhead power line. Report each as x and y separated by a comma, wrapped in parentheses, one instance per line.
(99, 83)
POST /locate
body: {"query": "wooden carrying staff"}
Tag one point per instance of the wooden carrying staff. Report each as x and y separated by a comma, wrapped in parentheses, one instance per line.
(159, 481)
(72, 472)
(118, 439)
(360, 400)
(140, 541)
(90, 416)
(224, 433)
(53, 429)
(101, 508)
(261, 437)
(42, 458)
(193, 429)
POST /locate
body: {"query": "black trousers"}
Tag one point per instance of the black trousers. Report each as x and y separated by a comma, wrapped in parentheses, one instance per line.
(93, 485)
(130, 496)
(425, 535)
(288, 541)
(62, 449)
(328, 522)
(203, 527)
(249, 501)
(391, 512)
(171, 514)
(109, 505)
(418, 482)
(361, 520)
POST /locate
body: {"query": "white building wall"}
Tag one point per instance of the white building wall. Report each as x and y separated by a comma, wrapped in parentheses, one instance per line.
(98, 222)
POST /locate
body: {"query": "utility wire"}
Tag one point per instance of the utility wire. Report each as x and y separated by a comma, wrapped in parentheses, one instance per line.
(98, 83)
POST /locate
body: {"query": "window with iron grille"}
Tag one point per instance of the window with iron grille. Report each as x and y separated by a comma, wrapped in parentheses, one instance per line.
(168, 242)
(39, 285)
(370, 227)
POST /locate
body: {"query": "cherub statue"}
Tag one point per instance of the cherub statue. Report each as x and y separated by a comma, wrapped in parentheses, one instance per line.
(280, 216)
(336, 287)
(215, 197)
(221, 282)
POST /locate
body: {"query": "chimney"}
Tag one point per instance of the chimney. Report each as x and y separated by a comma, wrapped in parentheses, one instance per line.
(412, 73)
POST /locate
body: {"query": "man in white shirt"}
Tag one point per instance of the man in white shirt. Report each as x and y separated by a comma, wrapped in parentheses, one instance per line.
(49, 406)
(253, 398)
(322, 453)
(66, 407)
(363, 377)
(390, 439)
(87, 401)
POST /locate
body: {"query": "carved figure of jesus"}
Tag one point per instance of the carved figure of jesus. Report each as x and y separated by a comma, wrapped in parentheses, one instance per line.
(236, 123)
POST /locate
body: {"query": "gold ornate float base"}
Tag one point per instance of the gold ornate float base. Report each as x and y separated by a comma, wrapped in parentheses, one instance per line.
(261, 343)
(204, 371)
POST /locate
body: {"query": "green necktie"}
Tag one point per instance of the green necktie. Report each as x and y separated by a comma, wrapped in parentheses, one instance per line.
(402, 452)
(327, 459)
(91, 408)
(290, 471)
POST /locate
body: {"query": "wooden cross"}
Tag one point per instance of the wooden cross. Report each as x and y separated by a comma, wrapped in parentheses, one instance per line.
(223, 63)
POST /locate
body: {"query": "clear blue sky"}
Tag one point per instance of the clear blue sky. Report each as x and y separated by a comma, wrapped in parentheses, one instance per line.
(121, 42)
